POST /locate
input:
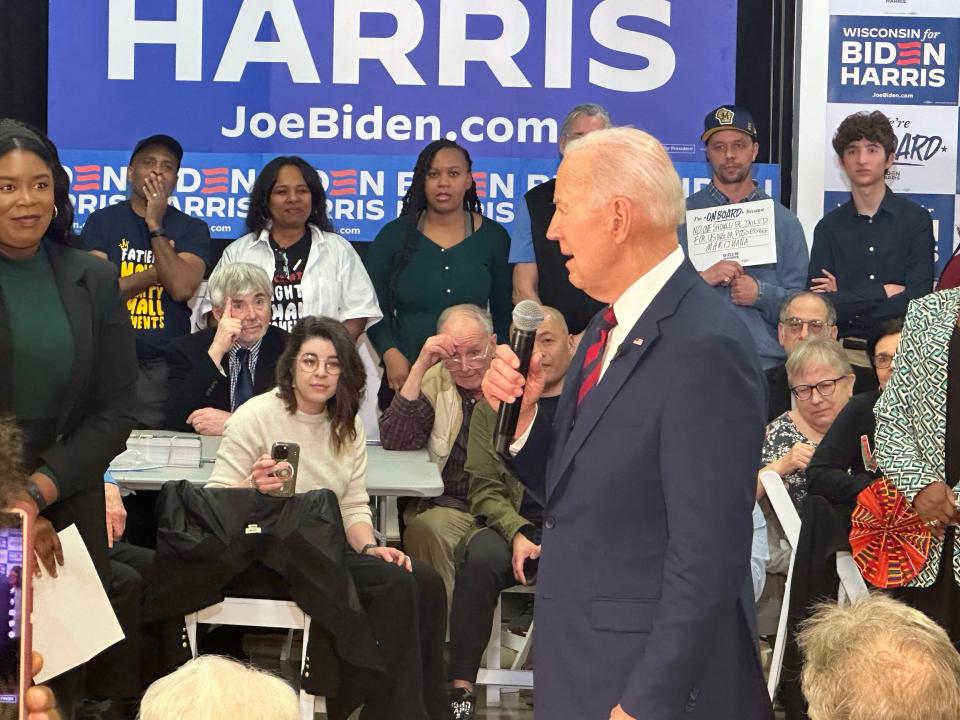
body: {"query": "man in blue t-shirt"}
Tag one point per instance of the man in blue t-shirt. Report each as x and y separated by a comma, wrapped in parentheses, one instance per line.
(161, 254)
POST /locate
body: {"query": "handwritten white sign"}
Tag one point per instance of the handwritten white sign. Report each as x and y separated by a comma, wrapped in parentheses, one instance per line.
(743, 233)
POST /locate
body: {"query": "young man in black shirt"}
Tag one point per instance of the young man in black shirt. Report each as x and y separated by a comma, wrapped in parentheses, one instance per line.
(161, 254)
(874, 254)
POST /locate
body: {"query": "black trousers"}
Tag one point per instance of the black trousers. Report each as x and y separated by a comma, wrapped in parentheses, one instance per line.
(116, 673)
(486, 570)
(407, 612)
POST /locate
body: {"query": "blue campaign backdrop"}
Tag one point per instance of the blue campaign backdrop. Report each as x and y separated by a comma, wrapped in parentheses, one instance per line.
(358, 87)
(894, 60)
(363, 192)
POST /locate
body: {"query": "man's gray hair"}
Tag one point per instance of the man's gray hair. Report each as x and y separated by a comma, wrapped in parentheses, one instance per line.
(631, 163)
(471, 311)
(588, 109)
(211, 687)
(238, 279)
(831, 310)
(816, 351)
(878, 659)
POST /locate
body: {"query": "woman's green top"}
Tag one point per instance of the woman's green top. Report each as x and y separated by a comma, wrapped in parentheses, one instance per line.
(474, 271)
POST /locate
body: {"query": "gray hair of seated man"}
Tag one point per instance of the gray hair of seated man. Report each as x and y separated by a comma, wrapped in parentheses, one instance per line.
(588, 109)
(817, 351)
(878, 659)
(831, 310)
(211, 687)
(236, 280)
(472, 311)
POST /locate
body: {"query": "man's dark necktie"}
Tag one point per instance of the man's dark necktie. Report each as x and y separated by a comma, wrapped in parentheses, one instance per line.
(244, 387)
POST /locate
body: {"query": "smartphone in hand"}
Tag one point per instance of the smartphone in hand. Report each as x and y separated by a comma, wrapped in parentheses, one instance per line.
(16, 602)
(289, 453)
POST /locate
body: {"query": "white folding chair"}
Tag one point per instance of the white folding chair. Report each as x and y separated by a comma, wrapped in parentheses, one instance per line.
(252, 612)
(491, 675)
(852, 587)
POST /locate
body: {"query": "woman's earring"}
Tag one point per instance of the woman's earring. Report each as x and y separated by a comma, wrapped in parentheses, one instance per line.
(55, 212)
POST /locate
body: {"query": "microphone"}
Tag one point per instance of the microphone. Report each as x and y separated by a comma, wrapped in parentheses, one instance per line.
(527, 316)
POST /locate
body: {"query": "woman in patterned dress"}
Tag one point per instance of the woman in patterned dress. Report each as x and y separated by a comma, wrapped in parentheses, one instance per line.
(918, 446)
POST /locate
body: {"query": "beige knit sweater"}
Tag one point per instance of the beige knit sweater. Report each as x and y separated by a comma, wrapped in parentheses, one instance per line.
(263, 420)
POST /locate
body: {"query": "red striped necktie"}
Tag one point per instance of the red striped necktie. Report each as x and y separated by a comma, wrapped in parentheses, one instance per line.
(593, 359)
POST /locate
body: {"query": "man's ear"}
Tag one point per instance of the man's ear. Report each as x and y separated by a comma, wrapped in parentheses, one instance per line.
(217, 313)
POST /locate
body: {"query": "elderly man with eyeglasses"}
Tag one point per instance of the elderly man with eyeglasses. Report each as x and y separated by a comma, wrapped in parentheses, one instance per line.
(806, 314)
(433, 410)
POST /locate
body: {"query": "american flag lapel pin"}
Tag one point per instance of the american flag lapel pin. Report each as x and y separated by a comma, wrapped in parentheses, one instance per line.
(638, 341)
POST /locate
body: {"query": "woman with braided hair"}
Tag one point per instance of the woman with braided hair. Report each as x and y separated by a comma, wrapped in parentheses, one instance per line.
(441, 251)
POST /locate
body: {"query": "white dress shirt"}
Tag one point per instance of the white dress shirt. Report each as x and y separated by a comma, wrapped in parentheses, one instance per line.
(334, 284)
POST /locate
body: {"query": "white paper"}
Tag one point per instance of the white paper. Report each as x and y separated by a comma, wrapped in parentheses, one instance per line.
(743, 233)
(73, 620)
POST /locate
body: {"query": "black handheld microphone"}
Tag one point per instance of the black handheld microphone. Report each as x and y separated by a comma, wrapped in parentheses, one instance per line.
(527, 316)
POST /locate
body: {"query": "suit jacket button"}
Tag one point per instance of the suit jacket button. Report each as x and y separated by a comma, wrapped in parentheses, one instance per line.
(550, 522)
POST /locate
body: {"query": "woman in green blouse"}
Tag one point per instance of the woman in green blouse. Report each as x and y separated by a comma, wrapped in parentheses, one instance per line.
(441, 251)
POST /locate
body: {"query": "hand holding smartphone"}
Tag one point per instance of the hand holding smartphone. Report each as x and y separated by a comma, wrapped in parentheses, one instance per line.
(16, 604)
(290, 454)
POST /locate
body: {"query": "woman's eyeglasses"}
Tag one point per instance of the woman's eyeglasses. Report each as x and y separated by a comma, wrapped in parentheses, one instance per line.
(826, 388)
(310, 362)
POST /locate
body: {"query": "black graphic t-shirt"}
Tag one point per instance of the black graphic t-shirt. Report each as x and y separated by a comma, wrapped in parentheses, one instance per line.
(122, 235)
(287, 280)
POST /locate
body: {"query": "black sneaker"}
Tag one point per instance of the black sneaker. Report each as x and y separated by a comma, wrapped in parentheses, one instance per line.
(463, 704)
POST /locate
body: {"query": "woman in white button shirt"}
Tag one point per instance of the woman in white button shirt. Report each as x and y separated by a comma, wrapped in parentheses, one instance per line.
(314, 270)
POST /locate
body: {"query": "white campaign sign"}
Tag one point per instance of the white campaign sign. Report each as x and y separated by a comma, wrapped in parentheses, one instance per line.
(743, 233)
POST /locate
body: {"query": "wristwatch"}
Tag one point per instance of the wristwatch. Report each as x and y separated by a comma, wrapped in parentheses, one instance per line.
(34, 492)
(159, 232)
(363, 550)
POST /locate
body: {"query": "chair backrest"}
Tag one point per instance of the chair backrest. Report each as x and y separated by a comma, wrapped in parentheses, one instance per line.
(782, 505)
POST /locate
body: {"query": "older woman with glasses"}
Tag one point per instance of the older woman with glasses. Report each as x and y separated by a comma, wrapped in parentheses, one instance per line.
(844, 462)
(433, 410)
(821, 381)
(806, 314)
(315, 404)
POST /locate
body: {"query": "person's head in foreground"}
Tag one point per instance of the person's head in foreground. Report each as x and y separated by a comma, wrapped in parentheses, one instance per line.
(878, 659)
(211, 687)
(618, 203)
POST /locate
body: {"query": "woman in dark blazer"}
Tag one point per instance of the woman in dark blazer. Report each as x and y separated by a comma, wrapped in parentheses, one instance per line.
(67, 363)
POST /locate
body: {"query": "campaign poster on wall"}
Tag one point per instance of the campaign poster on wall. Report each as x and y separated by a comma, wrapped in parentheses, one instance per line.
(903, 59)
(359, 87)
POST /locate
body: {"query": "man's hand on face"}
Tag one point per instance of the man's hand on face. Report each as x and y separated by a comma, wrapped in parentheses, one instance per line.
(157, 196)
(436, 348)
(228, 330)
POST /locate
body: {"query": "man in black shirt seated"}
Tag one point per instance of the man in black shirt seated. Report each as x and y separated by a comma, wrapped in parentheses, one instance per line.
(844, 464)
(216, 370)
(804, 314)
(874, 254)
(504, 546)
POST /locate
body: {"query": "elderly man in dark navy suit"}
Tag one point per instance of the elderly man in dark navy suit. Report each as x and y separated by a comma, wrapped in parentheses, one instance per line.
(215, 371)
(643, 605)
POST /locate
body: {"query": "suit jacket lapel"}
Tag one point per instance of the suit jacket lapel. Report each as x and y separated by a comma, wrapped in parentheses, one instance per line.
(636, 345)
(71, 284)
